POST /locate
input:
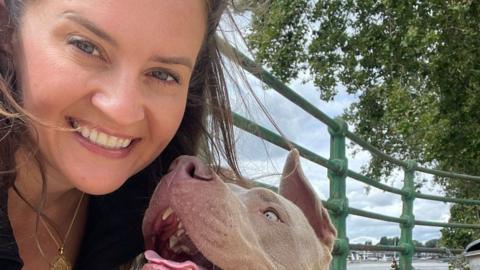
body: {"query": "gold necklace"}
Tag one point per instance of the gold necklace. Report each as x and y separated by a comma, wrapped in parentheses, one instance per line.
(60, 261)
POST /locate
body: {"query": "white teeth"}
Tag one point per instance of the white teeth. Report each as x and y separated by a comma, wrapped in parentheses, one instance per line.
(85, 132)
(93, 135)
(175, 247)
(173, 241)
(180, 232)
(102, 139)
(126, 142)
(167, 213)
(112, 141)
(185, 249)
(181, 248)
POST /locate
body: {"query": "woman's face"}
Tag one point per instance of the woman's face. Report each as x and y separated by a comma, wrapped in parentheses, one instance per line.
(118, 71)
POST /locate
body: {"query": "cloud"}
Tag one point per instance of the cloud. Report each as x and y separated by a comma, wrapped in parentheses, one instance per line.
(259, 158)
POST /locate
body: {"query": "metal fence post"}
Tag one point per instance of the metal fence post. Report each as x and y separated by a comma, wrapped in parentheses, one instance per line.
(407, 213)
(338, 193)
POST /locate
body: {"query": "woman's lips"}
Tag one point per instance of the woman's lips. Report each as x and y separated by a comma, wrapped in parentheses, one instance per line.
(99, 142)
(97, 149)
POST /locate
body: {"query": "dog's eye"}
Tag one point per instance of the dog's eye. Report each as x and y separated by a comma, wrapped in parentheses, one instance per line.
(271, 215)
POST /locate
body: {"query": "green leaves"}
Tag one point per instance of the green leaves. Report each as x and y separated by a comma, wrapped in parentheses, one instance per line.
(278, 36)
(415, 65)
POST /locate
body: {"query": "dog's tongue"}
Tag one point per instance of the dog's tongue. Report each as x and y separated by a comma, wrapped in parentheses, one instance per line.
(155, 262)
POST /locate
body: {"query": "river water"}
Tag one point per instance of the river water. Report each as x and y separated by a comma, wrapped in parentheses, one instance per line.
(418, 265)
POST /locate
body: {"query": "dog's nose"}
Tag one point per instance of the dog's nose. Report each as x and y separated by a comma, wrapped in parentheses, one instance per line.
(190, 167)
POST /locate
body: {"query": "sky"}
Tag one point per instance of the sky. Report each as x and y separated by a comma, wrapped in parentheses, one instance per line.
(258, 158)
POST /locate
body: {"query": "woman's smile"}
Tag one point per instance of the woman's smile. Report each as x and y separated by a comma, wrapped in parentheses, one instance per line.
(101, 141)
(98, 97)
(127, 77)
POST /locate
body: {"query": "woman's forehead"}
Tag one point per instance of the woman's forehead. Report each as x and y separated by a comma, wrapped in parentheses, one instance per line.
(178, 25)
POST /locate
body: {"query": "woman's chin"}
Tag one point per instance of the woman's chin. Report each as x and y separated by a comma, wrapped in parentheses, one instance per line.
(98, 185)
(93, 176)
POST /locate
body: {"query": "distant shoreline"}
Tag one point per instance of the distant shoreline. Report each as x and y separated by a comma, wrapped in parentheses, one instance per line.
(418, 264)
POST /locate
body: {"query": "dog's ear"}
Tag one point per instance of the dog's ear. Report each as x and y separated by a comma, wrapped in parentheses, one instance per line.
(296, 188)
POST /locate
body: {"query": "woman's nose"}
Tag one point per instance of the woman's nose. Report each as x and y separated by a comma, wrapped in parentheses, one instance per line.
(121, 100)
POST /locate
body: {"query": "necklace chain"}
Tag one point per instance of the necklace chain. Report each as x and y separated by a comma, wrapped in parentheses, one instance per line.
(62, 245)
(59, 262)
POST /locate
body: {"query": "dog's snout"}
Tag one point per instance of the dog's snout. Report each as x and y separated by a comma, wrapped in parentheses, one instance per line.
(191, 167)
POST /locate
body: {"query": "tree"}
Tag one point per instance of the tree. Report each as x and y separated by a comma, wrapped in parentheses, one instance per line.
(417, 243)
(415, 65)
(385, 241)
(432, 243)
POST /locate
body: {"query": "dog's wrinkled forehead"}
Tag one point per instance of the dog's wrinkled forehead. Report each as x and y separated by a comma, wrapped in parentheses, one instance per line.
(261, 194)
(237, 189)
(262, 198)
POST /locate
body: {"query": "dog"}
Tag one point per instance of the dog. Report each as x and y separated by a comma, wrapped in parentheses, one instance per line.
(196, 221)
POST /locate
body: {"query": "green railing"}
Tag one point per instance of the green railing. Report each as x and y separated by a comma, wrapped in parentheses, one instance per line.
(338, 172)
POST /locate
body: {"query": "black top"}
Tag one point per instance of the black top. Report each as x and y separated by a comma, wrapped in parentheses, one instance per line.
(113, 234)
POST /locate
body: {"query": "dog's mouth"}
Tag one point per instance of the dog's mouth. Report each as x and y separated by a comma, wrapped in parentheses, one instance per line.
(173, 243)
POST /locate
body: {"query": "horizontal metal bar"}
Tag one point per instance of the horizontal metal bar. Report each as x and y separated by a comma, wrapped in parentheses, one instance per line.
(366, 180)
(275, 139)
(291, 95)
(447, 174)
(446, 225)
(375, 151)
(257, 130)
(259, 72)
(446, 199)
(375, 247)
(361, 247)
(439, 250)
(363, 213)
(367, 214)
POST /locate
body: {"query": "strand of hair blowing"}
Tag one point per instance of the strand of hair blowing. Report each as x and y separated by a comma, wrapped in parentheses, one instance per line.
(11, 120)
(208, 116)
(206, 128)
(208, 99)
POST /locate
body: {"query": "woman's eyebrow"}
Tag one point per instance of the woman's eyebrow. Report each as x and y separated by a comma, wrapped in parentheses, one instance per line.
(172, 60)
(77, 18)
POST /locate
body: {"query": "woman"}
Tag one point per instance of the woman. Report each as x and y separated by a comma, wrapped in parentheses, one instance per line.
(98, 97)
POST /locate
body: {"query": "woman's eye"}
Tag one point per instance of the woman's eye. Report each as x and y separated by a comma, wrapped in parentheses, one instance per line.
(162, 76)
(271, 216)
(84, 45)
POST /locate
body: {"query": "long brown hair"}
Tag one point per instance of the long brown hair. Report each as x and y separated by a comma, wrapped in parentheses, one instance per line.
(206, 128)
